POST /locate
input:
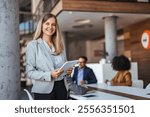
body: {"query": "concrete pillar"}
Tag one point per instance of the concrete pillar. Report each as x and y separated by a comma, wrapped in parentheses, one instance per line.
(9, 50)
(110, 36)
(64, 36)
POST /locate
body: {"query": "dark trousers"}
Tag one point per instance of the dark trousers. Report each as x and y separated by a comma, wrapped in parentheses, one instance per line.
(59, 92)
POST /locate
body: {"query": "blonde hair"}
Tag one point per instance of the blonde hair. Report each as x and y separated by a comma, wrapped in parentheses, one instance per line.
(56, 37)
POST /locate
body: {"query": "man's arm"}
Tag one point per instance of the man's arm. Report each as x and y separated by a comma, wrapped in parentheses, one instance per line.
(92, 77)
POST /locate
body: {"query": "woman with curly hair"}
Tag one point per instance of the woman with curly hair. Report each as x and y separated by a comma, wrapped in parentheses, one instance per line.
(123, 76)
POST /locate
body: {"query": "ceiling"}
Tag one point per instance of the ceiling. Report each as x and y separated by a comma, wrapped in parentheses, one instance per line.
(25, 5)
(95, 28)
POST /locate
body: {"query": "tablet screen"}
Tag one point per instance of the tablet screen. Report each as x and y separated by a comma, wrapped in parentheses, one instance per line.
(69, 64)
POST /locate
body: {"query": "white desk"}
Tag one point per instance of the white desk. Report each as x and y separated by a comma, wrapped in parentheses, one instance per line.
(98, 96)
(104, 92)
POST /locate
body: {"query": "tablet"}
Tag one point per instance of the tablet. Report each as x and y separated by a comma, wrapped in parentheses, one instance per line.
(68, 64)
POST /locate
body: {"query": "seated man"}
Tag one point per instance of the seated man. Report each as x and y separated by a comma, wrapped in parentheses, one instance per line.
(83, 74)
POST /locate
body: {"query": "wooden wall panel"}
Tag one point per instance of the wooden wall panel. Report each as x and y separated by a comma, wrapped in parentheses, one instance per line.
(75, 48)
(101, 6)
(106, 6)
(138, 53)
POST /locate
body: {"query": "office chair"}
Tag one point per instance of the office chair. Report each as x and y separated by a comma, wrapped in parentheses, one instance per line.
(29, 95)
(148, 87)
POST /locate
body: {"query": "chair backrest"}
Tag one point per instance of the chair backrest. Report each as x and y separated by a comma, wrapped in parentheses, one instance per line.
(148, 87)
(97, 69)
(29, 95)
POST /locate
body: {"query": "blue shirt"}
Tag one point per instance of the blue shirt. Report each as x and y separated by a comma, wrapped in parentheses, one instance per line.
(80, 75)
(57, 59)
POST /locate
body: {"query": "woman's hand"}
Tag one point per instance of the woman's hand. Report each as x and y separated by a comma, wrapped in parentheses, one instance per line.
(57, 73)
(109, 83)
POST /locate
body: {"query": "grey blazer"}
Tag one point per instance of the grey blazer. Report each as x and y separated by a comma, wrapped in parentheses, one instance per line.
(39, 67)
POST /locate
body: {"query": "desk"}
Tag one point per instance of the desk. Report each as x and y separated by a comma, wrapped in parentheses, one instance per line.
(105, 92)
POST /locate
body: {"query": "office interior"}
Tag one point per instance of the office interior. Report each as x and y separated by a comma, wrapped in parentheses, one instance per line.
(94, 28)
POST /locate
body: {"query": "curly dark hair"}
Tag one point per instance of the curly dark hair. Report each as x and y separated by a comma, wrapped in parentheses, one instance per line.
(121, 63)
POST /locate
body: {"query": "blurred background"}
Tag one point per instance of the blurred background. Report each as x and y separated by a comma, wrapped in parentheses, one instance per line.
(93, 28)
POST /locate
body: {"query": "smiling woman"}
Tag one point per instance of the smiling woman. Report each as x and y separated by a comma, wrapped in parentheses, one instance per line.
(49, 27)
(44, 56)
(48, 24)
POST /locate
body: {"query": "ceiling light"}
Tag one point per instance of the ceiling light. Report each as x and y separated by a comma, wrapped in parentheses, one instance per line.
(83, 26)
(82, 21)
